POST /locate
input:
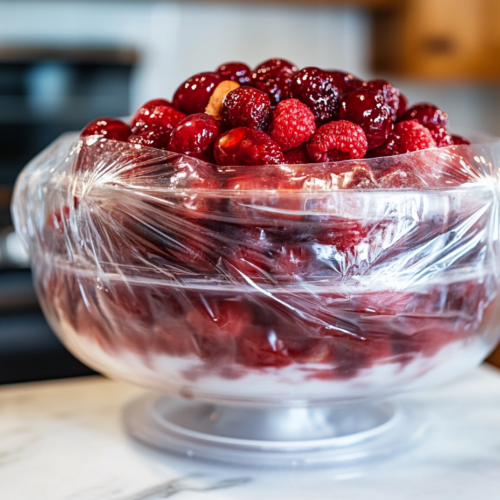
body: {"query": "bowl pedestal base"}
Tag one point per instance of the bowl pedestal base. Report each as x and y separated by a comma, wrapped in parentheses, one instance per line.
(273, 437)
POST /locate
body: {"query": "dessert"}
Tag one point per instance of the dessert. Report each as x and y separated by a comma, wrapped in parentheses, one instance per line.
(276, 233)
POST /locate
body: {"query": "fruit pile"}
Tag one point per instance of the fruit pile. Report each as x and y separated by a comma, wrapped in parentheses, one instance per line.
(277, 114)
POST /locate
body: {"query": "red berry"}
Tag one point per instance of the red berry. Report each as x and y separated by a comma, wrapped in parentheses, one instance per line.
(411, 136)
(297, 156)
(359, 177)
(293, 124)
(388, 148)
(146, 108)
(292, 261)
(403, 105)
(235, 71)
(345, 82)
(110, 128)
(336, 141)
(154, 138)
(400, 178)
(390, 94)
(367, 109)
(193, 95)
(245, 146)
(259, 347)
(159, 117)
(317, 89)
(440, 135)
(343, 234)
(246, 107)
(219, 319)
(426, 114)
(194, 135)
(459, 140)
(273, 77)
(249, 262)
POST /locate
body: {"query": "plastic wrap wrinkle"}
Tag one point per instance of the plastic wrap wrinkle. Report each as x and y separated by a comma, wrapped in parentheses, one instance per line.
(367, 274)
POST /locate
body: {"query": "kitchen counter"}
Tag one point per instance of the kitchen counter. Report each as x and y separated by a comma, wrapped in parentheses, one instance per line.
(63, 440)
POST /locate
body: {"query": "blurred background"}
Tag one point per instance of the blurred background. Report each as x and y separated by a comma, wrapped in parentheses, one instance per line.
(64, 63)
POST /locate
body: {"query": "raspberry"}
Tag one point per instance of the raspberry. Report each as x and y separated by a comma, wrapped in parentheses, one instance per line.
(412, 136)
(146, 108)
(317, 89)
(440, 135)
(154, 138)
(246, 107)
(297, 156)
(335, 141)
(245, 146)
(194, 135)
(273, 77)
(426, 114)
(193, 95)
(160, 117)
(389, 93)
(235, 71)
(293, 124)
(345, 82)
(459, 140)
(367, 109)
(110, 128)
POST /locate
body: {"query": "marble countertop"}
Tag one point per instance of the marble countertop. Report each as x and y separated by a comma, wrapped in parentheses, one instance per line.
(63, 440)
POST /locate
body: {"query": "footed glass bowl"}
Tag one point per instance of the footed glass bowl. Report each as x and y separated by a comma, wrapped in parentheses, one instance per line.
(274, 308)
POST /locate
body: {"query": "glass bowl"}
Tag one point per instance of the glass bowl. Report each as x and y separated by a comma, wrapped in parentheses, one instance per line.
(274, 308)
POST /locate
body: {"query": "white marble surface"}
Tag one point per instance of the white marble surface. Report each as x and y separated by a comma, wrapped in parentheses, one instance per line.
(63, 440)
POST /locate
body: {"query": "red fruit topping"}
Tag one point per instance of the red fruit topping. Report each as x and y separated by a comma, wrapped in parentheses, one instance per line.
(246, 107)
(219, 319)
(344, 235)
(403, 105)
(297, 156)
(293, 124)
(146, 108)
(261, 348)
(194, 135)
(336, 141)
(388, 148)
(58, 219)
(159, 117)
(110, 128)
(359, 177)
(317, 89)
(235, 71)
(155, 138)
(292, 261)
(367, 109)
(345, 82)
(193, 95)
(390, 94)
(411, 136)
(440, 135)
(426, 114)
(273, 77)
(400, 178)
(249, 262)
(245, 146)
(458, 140)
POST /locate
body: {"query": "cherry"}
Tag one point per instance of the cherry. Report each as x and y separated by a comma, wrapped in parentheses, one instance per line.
(273, 77)
(235, 71)
(193, 95)
(194, 135)
(246, 107)
(110, 128)
(367, 109)
(426, 114)
(260, 347)
(390, 94)
(154, 138)
(159, 117)
(345, 82)
(317, 89)
(146, 108)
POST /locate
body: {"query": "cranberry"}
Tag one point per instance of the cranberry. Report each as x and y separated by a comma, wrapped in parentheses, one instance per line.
(440, 135)
(335, 141)
(146, 108)
(317, 89)
(426, 114)
(245, 146)
(273, 77)
(235, 71)
(193, 95)
(390, 94)
(367, 109)
(246, 107)
(110, 128)
(160, 117)
(194, 135)
(293, 124)
(155, 138)
(219, 319)
(345, 82)
(297, 156)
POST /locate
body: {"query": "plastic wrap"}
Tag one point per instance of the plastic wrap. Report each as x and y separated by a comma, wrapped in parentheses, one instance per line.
(272, 285)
